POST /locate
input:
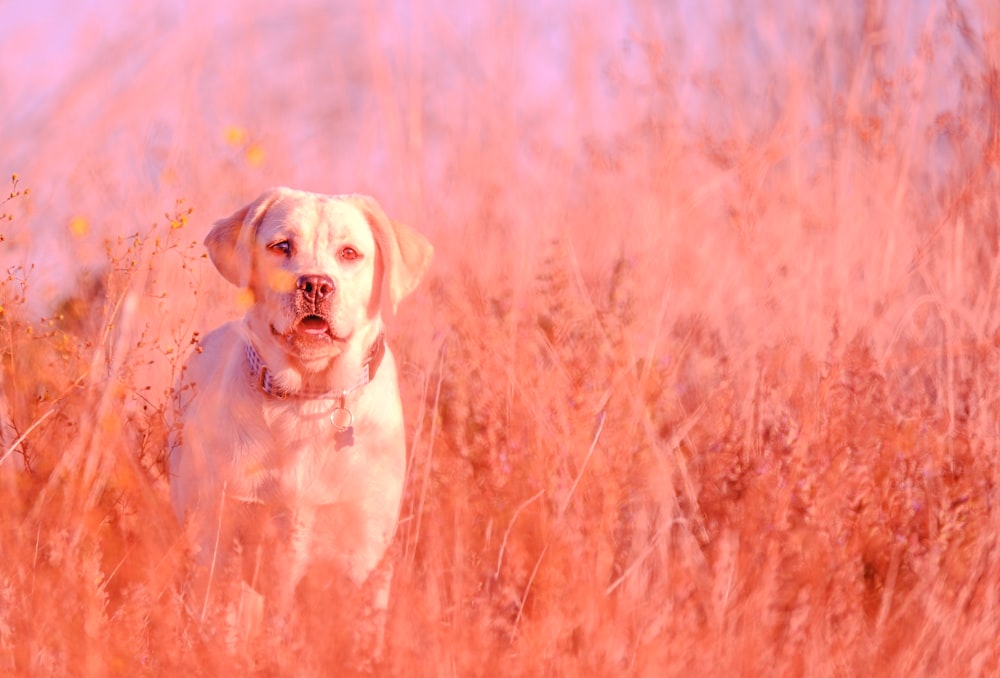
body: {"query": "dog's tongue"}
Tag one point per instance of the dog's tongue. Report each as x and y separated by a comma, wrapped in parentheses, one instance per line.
(313, 324)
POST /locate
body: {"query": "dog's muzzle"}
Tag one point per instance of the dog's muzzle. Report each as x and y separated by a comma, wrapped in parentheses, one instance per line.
(315, 289)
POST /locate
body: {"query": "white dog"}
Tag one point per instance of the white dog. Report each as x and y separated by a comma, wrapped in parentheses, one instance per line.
(291, 443)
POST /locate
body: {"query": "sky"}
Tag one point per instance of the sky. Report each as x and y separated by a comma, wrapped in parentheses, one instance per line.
(111, 111)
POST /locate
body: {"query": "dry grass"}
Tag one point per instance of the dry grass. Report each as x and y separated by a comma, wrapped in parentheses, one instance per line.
(705, 379)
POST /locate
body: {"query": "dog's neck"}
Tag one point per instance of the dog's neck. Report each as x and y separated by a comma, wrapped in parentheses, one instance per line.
(263, 377)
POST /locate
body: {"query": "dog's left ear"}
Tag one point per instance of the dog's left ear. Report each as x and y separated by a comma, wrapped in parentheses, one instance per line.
(406, 254)
(230, 242)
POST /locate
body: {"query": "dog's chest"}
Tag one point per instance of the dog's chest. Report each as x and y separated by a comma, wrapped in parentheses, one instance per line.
(302, 457)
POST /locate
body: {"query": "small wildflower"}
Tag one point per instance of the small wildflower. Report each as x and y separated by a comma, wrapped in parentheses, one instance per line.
(245, 299)
(79, 226)
(255, 155)
(281, 281)
(235, 136)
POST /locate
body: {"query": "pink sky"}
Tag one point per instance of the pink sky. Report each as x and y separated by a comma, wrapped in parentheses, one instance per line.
(114, 110)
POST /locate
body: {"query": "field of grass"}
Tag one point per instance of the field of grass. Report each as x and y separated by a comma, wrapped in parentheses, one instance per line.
(704, 380)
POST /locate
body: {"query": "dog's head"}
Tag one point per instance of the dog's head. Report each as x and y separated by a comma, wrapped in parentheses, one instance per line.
(321, 269)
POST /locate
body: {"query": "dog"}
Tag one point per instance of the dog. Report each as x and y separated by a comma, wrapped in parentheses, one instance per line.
(290, 451)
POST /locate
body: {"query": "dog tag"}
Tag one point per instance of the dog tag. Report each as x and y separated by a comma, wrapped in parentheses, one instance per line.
(341, 418)
(344, 438)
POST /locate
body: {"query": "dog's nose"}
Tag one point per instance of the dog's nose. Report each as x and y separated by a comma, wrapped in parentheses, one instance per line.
(315, 287)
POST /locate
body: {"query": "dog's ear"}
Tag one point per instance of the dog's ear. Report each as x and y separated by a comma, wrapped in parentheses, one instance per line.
(406, 254)
(230, 242)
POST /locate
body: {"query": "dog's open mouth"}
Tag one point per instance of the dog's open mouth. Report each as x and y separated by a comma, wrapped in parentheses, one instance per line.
(313, 326)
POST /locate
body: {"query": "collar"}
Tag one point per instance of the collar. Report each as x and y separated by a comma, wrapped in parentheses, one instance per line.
(262, 375)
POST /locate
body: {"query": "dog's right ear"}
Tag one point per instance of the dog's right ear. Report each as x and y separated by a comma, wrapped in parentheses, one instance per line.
(230, 242)
(406, 254)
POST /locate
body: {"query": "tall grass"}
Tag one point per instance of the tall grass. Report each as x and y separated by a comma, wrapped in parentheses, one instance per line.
(704, 379)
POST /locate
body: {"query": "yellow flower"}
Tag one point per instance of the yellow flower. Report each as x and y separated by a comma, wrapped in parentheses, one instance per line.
(255, 155)
(281, 281)
(245, 299)
(79, 226)
(235, 136)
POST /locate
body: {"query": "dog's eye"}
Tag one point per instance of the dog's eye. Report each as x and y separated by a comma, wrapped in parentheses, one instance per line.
(350, 254)
(282, 247)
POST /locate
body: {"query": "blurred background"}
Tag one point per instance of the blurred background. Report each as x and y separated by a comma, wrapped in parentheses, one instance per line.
(704, 375)
(739, 139)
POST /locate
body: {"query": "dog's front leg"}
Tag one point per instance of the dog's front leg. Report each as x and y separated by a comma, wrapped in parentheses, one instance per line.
(300, 547)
